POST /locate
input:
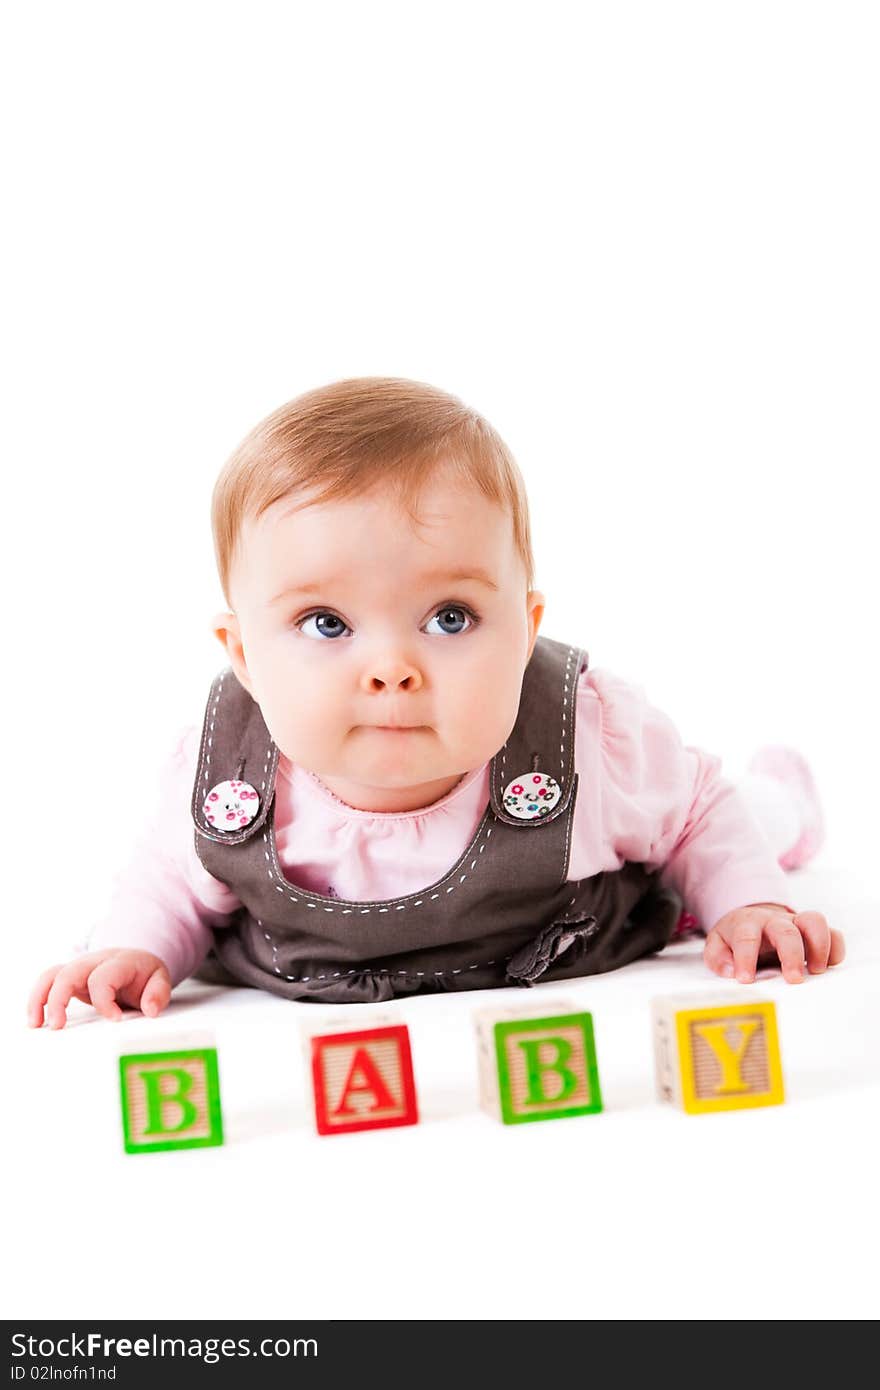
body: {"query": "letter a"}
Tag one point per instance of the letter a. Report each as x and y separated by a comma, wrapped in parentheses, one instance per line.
(363, 1065)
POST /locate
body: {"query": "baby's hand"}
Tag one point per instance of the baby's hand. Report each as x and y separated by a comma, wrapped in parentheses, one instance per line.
(758, 934)
(136, 978)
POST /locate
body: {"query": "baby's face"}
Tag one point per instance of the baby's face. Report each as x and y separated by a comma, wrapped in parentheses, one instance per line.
(386, 657)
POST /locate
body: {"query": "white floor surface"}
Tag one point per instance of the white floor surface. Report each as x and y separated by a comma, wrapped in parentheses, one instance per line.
(640, 1211)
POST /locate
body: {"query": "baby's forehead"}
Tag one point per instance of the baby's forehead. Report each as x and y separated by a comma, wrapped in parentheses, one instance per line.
(299, 538)
(446, 513)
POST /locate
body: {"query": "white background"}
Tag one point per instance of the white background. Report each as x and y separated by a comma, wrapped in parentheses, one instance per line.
(641, 239)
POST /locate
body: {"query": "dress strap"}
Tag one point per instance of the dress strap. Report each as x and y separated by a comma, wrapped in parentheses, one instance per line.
(542, 740)
(235, 744)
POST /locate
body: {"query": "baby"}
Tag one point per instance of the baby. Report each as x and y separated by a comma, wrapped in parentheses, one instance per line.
(398, 785)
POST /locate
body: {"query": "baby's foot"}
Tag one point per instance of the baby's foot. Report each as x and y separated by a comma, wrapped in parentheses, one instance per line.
(789, 767)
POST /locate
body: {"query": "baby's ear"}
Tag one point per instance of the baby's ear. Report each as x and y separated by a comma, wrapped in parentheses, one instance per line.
(535, 602)
(227, 629)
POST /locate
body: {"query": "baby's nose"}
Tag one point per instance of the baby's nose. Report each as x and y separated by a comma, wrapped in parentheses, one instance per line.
(393, 675)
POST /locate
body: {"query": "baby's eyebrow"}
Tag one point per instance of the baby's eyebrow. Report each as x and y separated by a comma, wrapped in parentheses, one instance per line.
(475, 573)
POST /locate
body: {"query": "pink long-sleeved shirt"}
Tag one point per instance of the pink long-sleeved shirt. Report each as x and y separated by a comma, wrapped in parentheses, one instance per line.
(642, 796)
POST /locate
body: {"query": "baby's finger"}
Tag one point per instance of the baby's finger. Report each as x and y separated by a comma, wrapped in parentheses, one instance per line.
(838, 950)
(157, 992)
(68, 982)
(718, 955)
(104, 983)
(817, 939)
(789, 946)
(746, 944)
(39, 994)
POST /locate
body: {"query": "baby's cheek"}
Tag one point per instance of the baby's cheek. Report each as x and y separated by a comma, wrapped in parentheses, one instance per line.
(492, 717)
(307, 730)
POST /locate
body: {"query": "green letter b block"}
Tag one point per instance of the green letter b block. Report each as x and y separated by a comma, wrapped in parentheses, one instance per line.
(547, 1068)
(170, 1100)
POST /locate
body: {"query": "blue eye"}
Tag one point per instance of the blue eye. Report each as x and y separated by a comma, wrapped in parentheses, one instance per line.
(328, 625)
(452, 617)
(455, 616)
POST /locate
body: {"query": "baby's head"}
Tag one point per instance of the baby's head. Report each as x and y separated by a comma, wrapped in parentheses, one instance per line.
(373, 543)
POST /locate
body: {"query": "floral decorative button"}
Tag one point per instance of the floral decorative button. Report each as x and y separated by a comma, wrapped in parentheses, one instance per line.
(231, 805)
(531, 796)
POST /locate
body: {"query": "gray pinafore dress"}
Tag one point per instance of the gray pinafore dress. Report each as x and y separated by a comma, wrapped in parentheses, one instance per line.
(504, 914)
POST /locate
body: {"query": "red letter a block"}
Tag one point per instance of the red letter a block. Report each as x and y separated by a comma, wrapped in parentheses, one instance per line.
(363, 1080)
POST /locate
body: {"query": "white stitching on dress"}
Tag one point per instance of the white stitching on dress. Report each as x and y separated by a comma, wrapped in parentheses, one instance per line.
(407, 974)
(274, 871)
(207, 735)
(572, 695)
(567, 843)
(275, 966)
(208, 742)
(568, 695)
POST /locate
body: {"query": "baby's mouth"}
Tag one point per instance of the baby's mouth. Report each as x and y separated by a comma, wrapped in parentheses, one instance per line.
(395, 728)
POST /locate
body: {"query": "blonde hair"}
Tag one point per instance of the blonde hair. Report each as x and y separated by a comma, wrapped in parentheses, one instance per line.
(342, 440)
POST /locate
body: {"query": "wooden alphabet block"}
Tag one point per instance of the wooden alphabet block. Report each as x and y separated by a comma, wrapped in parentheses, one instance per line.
(716, 1052)
(170, 1099)
(537, 1063)
(361, 1078)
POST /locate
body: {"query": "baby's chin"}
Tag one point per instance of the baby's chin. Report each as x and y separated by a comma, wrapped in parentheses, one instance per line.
(393, 760)
(390, 759)
(392, 764)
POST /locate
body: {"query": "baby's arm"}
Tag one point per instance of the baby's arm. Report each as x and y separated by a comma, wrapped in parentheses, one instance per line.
(666, 805)
(713, 850)
(158, 928)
